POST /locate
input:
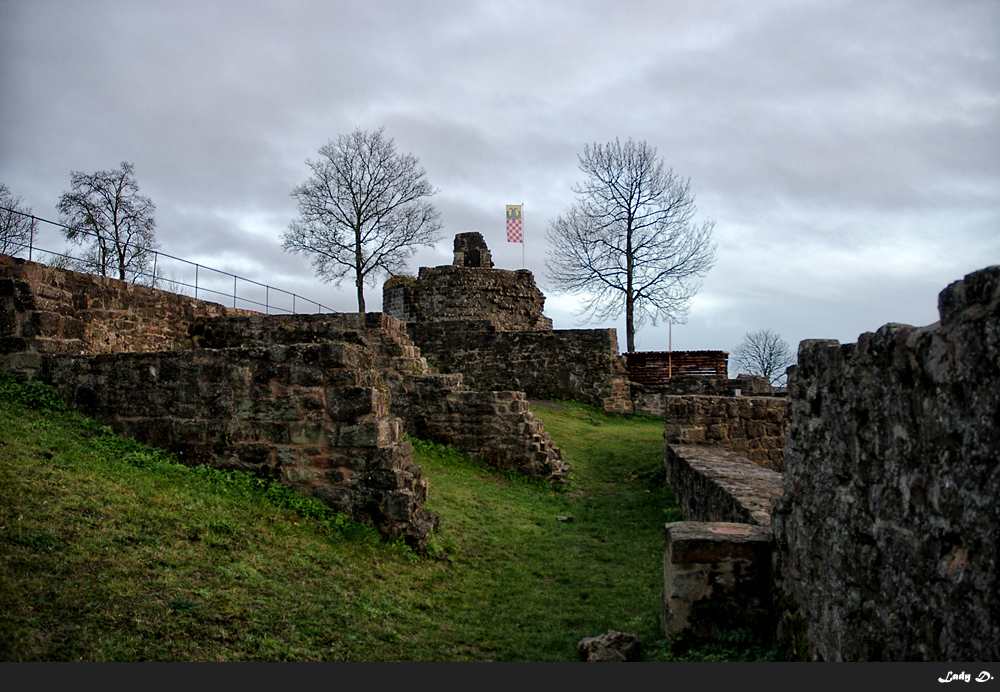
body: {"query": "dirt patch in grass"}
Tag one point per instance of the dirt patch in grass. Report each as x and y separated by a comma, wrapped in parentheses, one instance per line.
(551, 405)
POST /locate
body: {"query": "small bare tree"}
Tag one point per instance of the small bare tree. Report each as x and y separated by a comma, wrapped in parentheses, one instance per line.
(106, 210)
(630, 244)
(362, 213)
(764, 353)
(16, 222)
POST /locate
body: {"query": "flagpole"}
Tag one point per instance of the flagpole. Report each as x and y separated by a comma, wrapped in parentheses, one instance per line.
(523, 241)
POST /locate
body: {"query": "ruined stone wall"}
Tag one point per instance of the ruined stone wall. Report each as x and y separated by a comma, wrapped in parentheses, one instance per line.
(315, 416)
(889, 528)
(206, 382)
(47, 310)
(509, 299)
(650, 399)
(574, 364)
(753, 427)
(714, 484)
(496, 426)
(488, 324)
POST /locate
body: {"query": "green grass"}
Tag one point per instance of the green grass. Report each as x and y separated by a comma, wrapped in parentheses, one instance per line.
(111, 551)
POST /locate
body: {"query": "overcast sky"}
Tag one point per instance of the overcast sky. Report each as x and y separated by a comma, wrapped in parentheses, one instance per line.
(848, 151)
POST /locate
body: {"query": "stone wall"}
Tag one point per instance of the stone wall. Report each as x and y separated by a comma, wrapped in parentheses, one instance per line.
(651, 399)
(46, 310)
(574, 364)
(488, 324)
(713, 484)
(509, 299)
(496, 426)
(243, 390)
(315, 416)
(890, 523)
(754, 427)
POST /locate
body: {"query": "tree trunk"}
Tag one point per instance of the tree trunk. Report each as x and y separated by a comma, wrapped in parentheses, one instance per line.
(629, 325)
(361, 295)
(629, 295)
(358, 263)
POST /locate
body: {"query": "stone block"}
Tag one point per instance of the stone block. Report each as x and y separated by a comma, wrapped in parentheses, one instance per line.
(311, 433)
(371, 433)
(347, 404)
(716, 576)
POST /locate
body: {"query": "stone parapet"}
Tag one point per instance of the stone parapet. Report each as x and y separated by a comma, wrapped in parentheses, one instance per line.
(56, 311)
(713, 484)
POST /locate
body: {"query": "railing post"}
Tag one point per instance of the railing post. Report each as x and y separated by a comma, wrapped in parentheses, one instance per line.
(196, 267)
(234, 291)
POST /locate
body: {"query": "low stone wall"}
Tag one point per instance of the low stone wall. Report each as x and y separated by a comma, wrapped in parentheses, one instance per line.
(497, 427)
(717, 563)
(890, 525)
(650, 399)
(312, 415)
(714, 484)
(574, 364)
(46, 310)
(754, 427)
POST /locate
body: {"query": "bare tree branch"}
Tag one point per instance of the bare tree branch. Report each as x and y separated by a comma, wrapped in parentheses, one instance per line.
(629, 245)
(362, 212)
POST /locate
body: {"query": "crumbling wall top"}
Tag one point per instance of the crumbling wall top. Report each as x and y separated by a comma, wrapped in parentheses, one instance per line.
(471, 251)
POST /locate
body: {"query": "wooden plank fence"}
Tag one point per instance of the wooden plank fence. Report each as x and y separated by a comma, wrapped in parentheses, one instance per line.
(657, 367)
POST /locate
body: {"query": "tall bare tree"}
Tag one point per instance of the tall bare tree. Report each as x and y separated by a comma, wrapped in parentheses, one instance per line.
(362, 213)
(630, 245)
(764, 353)
(16, 222)
(106, 210)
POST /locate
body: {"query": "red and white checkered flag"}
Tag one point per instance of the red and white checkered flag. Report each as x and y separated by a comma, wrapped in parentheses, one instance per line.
(515, 229)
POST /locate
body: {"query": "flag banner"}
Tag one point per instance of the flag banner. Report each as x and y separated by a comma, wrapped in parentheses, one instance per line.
(515, 231)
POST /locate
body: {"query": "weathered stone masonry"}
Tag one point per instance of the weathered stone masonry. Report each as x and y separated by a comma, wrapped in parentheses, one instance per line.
(488, 324)
(889, 526)
(314, 416)
(310, 399)
(753, 427)
(496, 426)
(886, 520)
(44, 310)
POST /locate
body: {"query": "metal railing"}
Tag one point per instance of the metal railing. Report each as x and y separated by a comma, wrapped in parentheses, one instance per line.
(265, 295)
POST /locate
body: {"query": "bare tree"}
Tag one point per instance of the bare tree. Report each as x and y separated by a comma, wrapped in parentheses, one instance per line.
(16, 222)
(362, 213)
(106, 210)
(629, 244)
(764, 353)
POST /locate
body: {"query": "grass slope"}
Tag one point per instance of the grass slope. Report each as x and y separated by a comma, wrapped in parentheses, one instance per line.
(111, 551)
